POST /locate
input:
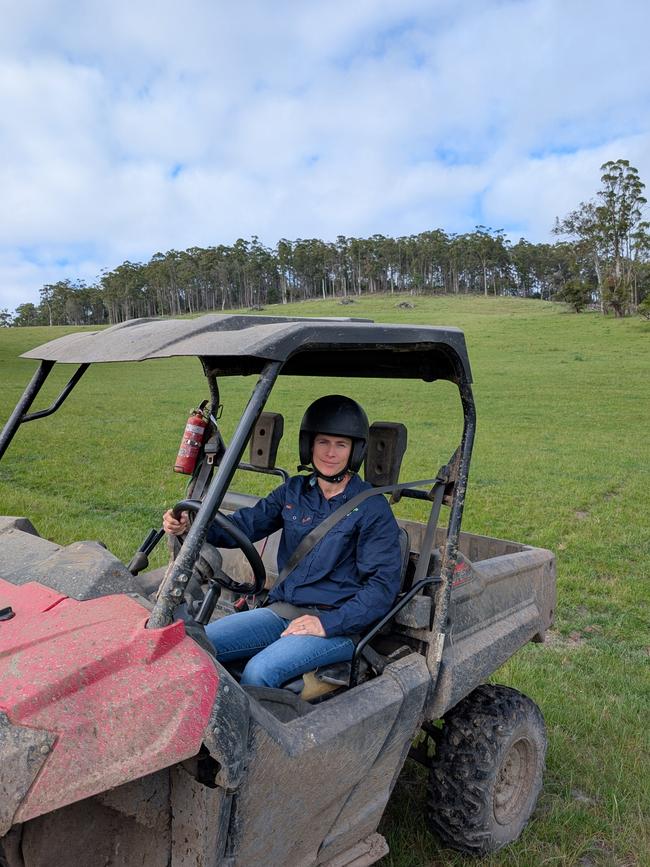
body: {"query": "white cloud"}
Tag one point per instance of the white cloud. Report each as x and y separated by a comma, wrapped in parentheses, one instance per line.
(142, 127)
(527, 196)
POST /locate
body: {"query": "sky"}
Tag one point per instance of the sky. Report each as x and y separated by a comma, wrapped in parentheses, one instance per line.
(139, 126)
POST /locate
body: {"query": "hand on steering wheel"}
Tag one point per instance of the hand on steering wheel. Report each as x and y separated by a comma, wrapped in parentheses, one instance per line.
(243, 543)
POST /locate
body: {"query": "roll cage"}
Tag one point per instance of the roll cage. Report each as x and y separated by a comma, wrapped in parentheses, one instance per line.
(268, 346)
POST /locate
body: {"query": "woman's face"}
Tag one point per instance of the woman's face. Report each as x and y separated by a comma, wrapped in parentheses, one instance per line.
(331, 454)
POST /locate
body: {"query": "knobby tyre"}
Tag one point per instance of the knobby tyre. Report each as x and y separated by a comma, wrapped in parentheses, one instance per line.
(486, 773)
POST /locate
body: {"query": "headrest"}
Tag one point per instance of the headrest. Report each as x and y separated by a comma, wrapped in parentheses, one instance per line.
(265, 439)
(386, 447)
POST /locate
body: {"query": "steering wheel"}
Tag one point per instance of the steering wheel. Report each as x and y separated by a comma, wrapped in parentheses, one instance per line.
(243, 543)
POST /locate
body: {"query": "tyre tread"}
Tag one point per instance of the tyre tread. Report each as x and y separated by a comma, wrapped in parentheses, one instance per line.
(463, 767)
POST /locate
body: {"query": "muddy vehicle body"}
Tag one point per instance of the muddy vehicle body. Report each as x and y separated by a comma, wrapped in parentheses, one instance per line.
(122, 739)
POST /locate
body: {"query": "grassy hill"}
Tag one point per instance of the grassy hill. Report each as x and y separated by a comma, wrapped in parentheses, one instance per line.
(562, 460)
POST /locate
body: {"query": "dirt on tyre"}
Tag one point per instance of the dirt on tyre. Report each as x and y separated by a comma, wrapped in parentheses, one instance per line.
(487, 770)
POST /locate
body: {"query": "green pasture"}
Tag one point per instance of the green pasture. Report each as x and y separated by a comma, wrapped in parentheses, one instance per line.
(561, 460)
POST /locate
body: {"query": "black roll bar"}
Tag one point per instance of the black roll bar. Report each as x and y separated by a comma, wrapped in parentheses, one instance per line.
(266, 471)
(440, 622)
(171, 592)
(20, 415)
(74, 379)
(401, 602)
(16, 417)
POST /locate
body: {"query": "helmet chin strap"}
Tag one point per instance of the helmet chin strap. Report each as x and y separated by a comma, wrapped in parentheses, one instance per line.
(333, 479)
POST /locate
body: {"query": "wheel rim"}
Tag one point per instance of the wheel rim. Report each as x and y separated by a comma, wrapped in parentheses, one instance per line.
(513, 781)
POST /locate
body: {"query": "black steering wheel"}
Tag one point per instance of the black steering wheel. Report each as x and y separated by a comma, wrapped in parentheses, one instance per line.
(243, 543)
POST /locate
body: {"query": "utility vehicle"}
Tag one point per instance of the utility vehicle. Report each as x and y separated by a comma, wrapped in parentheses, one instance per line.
(124, 742)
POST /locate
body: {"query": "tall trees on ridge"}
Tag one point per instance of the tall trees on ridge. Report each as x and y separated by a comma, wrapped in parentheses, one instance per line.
(606, 259)
(612, 239)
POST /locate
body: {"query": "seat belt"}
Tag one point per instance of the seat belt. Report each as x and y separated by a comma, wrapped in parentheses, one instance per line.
(313, 538)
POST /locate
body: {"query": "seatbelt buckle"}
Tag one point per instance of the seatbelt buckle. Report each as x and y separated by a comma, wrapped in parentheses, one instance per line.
(211, 449)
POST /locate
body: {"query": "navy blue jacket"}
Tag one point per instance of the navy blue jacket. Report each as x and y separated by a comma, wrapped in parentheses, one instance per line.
(355, 567)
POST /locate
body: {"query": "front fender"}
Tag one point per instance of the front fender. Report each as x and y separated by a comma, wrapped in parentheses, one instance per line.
(111, 700)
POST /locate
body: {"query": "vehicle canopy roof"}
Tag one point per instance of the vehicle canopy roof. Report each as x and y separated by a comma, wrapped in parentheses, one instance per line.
(240, 344)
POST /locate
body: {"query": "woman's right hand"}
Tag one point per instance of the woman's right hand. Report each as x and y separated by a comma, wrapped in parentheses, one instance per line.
(173, 526)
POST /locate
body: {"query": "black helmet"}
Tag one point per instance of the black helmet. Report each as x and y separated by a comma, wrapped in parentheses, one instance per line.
(335, 415)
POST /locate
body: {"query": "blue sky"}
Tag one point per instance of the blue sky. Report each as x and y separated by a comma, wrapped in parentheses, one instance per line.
(132, 128)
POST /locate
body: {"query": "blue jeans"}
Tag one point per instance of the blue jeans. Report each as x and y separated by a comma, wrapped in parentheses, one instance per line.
(255, 635)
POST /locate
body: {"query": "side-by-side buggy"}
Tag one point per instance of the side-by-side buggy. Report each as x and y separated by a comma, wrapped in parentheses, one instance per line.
(122, 739)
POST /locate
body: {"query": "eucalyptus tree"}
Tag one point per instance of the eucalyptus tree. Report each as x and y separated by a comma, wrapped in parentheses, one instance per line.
(286, 271)
(391, 255)
(625, 232)
(522, 257)
(161, 281)
(553, 265)
(315, 266)
(434, 247)
(28, 314)
(340, 266)
(374, 263)
(50, 295)
(67, 302)
(124, 292)
(84, 305)
(358, 262)
(458, 251)
(226, 275)
(488, 247)
(190, 278)
(612, 229)
(262, 273)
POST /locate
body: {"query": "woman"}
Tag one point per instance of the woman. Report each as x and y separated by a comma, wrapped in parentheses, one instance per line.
(347, 581)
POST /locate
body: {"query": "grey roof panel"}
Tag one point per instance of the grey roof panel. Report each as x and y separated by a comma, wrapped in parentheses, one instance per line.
(234, 343)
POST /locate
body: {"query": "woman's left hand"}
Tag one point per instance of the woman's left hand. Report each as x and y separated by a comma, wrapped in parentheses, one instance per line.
(305, 625)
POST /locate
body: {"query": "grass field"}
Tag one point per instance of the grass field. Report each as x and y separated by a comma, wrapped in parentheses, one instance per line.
(562, 461)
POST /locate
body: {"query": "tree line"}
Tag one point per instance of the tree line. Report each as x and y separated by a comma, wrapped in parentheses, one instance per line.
(601, 257)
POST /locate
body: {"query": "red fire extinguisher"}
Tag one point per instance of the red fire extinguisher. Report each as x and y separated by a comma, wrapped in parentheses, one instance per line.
(192, 441)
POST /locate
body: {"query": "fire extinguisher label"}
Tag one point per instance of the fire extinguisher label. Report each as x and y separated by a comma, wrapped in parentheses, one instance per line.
(194, 428)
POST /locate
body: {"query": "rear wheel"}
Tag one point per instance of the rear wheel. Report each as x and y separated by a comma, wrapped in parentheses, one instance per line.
(487, 769)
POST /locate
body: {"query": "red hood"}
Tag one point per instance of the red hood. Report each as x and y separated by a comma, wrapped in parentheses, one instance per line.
(122, 701)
